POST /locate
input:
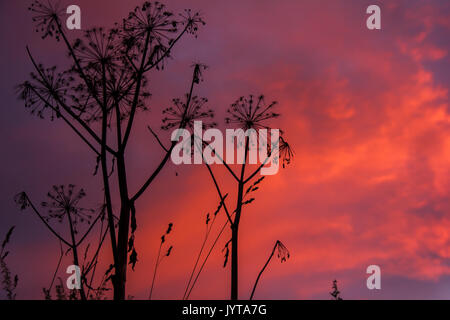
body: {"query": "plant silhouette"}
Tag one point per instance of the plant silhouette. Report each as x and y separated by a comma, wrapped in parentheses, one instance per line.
(160, 258)
(282, 254)
(336, 294)
(63, 205)
(248, 114)
(99, 95)
(9, 282)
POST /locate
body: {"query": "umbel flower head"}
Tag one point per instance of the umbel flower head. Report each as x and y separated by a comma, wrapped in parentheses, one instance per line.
(47, 18)
(251, 113)
(64, 201)
(45, 91)
(185, 112)
(120, 92)
(21, 200)
(192, 21)
(98, 49)
(152, 21)
(183, 116)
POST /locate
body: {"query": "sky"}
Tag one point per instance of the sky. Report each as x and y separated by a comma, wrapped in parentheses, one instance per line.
(366, 112)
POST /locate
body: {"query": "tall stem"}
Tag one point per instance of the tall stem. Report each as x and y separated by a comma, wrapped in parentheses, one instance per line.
(105, 174)
(235, 230)
(124, 228)
(75, 253)
(154, 272)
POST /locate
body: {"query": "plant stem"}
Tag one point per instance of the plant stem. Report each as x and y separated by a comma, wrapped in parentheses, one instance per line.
(263, 269)
(156, 269)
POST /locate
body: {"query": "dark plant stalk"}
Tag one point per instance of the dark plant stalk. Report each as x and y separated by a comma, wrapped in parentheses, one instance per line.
(95, 260)
(154, 272)
(167, 156)
(263, 269)
(105, 178)
(75, 253)
(222, 201)
(235, 229)
(208, 232)
(57, 267)
(140, 74)
(9, 283)
(205, 239)
(206, 259)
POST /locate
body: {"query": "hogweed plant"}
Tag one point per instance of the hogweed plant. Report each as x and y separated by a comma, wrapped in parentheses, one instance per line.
(282, 254)
(99, 94)
(249, 114)
(63, 206)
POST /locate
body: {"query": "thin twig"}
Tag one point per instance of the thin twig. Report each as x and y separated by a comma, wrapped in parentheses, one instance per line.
(263, 269)
(45, 222)
(157, 139)
(156, 269)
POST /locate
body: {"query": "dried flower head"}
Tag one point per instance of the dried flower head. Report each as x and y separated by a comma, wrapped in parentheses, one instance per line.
(98, 49)
(192, 21)
(286, 152)
(181, 115)
(251, 113)
(198, 71)
(282, 252)
(47, 18)
(152, 22)
(21, 200)
(120, 92)
(64, 201)
(45, 91)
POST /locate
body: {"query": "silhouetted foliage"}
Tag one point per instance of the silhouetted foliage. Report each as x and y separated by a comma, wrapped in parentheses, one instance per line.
(245, 113)
(336, 294)
(248, 113)
(209, 227)
(9, 282)
(159, 257)
(104, 86)
(99, 94)
(63, 205)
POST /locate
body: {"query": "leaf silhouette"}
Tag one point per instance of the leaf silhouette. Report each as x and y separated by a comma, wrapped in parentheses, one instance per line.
(133, 259)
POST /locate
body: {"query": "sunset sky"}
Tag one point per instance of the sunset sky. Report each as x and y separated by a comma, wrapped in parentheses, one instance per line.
(366, 112)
